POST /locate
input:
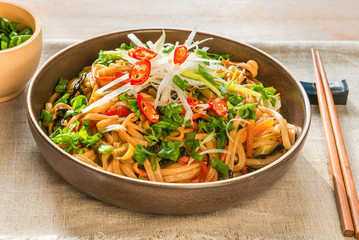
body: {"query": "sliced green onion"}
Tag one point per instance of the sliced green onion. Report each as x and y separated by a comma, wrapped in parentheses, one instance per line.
(243, 89)
(198, 77)
(220, 166)
(63, 99)
(104, 148)
(198, 157)
(181, 83)
(61, 85)
(208, 138)
(46, 116)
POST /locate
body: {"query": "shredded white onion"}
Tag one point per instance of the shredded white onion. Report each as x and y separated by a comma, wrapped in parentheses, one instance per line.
(160, 42)
(215, 151)
(111, 84)
(112, 127)
(234, 119)
(150, 45)
(190, 38)
(197, 43)
(107, 98)
(135, 40)
(208, 138)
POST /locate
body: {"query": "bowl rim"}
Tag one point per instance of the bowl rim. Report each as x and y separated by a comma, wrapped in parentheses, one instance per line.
(35, 34)
(276, 163)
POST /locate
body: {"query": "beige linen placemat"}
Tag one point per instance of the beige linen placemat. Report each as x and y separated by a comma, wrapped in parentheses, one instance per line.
(36, 202)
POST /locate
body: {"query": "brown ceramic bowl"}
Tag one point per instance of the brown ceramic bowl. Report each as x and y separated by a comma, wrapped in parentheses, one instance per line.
(19, 63)
(156, 197)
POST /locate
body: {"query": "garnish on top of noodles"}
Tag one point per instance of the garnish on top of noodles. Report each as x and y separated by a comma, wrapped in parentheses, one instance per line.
(169, 113)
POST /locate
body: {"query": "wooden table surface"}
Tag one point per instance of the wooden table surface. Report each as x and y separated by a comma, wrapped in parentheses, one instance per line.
(242, 20)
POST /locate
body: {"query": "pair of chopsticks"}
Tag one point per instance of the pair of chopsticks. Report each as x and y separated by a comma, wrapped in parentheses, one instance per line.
(345, 192)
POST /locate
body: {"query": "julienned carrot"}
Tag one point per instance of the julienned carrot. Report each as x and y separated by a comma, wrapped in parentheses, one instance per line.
(263, 126)
(223, 156)
(250, 136)
(195, 116)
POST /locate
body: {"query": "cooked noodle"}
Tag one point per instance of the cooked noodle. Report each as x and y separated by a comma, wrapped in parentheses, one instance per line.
(157, 129)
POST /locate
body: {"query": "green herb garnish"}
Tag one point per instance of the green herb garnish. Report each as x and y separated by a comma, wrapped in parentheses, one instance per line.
(61, 85)
(141, 154)
(46, 116)
(104, 148)
(75, 136)
(181, 83)
(220, 166)
(10, 36)
(78, 103)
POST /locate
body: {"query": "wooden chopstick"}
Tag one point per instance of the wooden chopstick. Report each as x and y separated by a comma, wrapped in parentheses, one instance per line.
(345, 192)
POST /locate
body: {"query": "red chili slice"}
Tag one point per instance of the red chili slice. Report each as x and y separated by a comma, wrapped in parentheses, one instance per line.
(141, 53)
(218, 106)
(140, 72)
(202, 174)
(193, 101)
(120, 111)
(180, 55)
(184, 160)
(147, 109)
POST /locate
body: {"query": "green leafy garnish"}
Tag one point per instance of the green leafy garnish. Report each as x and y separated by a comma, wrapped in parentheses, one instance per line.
(220, 166)
(181, 83)
(132, 103)
(266, 93)
(46, 116)
(63, 99)
(214, 56)
(168, 49)
(234, 99)
(247, 111)
(141, 154)
(171, 118)
(206, 75)
(223, 89)
(107, 57)
(192, 145)
(10, 36)
(78, 103)
(173, 111)
(73, 137)
(216, 125)
(104, 148)
(154, 136)
(126, 47)
(169, 150)
(61, 85)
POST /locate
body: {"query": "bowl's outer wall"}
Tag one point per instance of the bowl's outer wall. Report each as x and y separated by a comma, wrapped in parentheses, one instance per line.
(157, 198)
(18, 64)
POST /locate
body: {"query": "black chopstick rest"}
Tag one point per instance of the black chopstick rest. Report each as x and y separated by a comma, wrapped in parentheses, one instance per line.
(339, 89)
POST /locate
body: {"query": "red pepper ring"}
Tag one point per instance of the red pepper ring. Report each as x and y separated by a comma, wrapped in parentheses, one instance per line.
(141, 53)
(180, 54)
(147, 109)
(218, 106)
(120, 111)
(193, 101)
(140, 72)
